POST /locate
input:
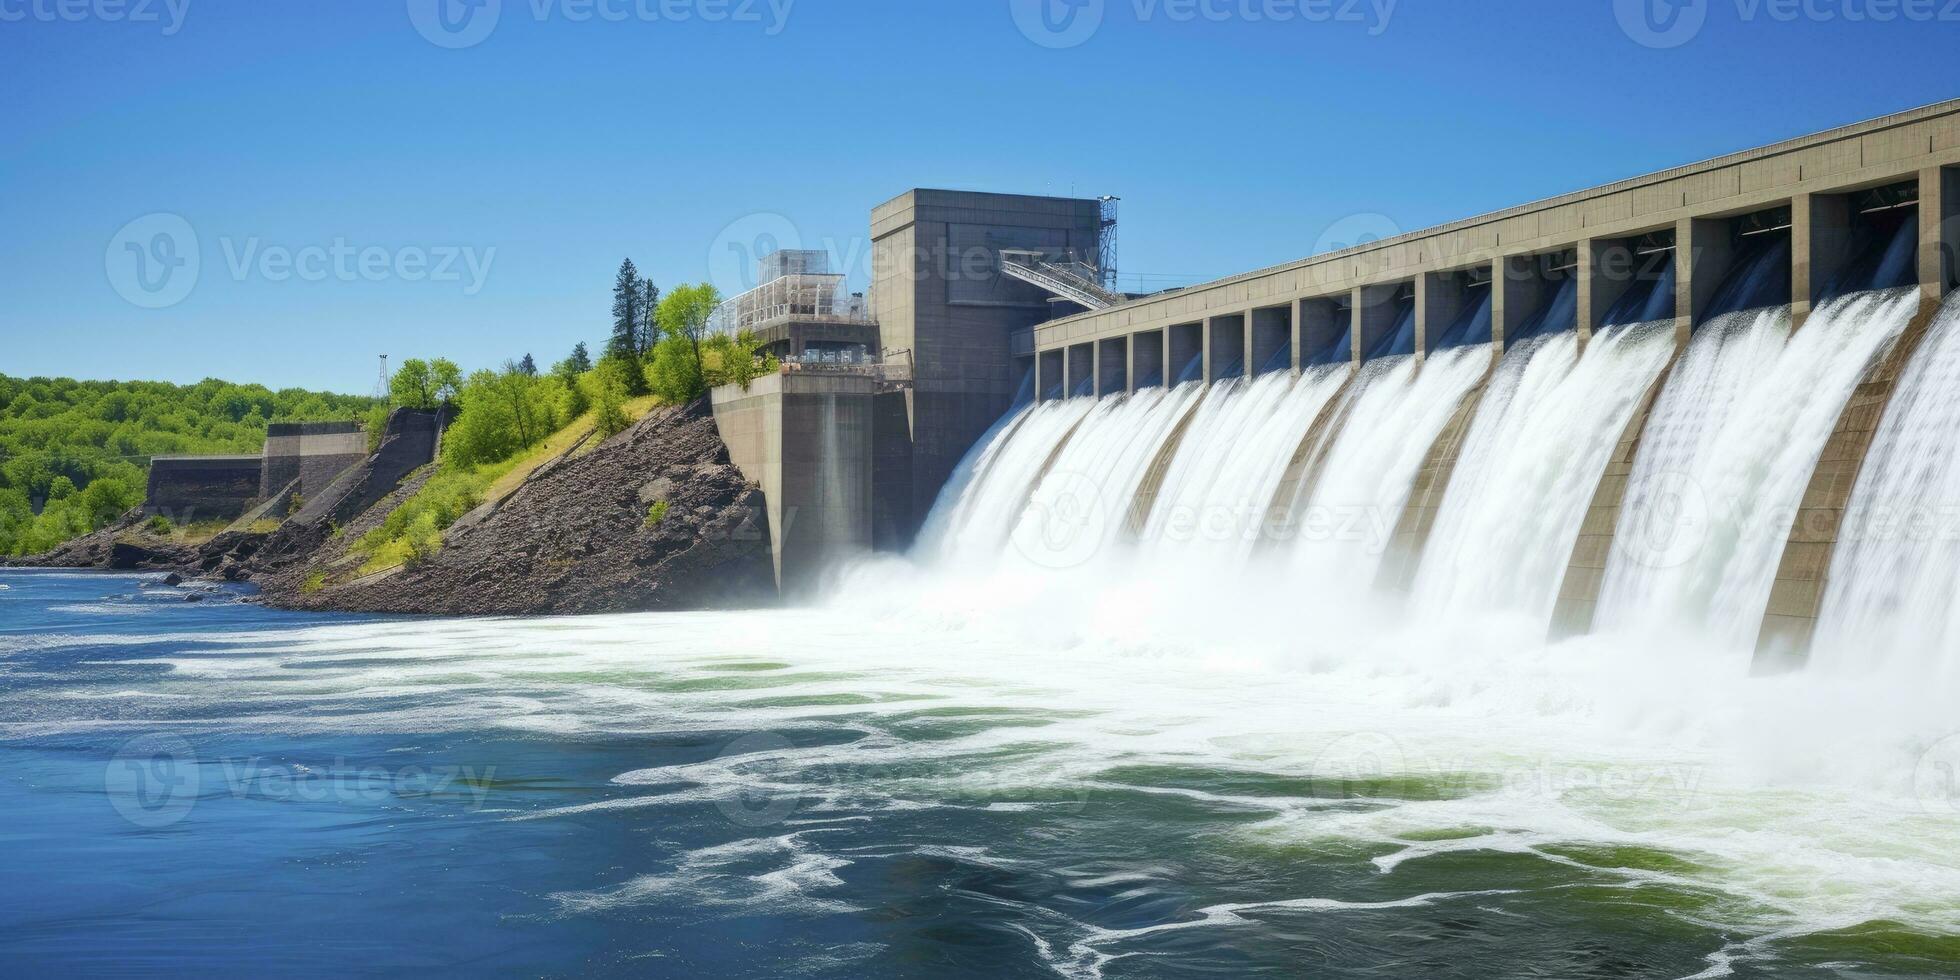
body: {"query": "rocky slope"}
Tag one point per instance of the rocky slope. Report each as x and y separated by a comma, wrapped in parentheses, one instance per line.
(575, 538)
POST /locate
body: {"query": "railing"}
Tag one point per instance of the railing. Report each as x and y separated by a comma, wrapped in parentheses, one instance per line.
(1073, 280)
(892, 367)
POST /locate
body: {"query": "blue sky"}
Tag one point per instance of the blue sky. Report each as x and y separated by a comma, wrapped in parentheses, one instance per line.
(566, 134)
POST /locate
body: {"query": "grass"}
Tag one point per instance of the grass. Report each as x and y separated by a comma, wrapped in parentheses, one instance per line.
(315, 581)
(656, 513)
(413, 531)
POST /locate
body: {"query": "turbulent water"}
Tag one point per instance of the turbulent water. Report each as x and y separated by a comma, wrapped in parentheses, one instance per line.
(1347, 507)
(1726, 459)
(1543, 433)
(1894, 585)
(1132, 709)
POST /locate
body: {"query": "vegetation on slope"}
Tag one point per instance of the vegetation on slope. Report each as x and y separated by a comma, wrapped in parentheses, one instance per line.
(74, 455)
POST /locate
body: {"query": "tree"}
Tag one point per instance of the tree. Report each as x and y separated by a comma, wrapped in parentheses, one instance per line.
(580, 361)
(626, 313)
(425, 384)
(528, 366)
(607, 391)
(683, 316)
(502, 413)
(649, 327)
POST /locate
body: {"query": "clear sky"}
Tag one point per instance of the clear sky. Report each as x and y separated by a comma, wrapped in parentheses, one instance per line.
(463, 181)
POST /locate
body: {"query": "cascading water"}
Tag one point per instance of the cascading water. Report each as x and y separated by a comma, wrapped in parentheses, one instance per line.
(1892, 600)
(1732, 446)
(1218, 489)
(1080, 509)
(985, 508)
(1343, 522)
(1541, 439)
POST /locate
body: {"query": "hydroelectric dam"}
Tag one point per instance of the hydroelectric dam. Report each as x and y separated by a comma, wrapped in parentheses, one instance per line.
(1723, 399)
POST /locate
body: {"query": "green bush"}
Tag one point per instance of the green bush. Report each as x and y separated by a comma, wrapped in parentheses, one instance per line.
(159, 526)
(656, 513)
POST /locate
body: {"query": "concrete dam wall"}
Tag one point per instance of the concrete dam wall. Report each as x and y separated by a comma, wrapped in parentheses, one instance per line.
(1689, 401)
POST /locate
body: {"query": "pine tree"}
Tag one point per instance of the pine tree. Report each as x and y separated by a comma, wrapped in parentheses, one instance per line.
(581, 361)
(649, 327)
(626, 314)
(527, 366)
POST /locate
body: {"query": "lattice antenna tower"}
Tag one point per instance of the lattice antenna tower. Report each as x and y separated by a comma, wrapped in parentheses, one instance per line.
(1106, 242)
(381, 381)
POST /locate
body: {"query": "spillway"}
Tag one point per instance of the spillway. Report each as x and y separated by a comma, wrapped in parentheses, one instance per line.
(1216, 494)
(1733, 442)
(1892, 602)
(1347, 505)
(1079, 510)
(1540, 442)
(979, 510)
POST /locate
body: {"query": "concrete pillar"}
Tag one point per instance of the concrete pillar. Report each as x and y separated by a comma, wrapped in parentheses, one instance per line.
(1820, 245)
(1245, 344)
(1130, 346)
(1298, 314)
(1703, 252)
(1439, 301)
(1939, 232)
(1355, 351)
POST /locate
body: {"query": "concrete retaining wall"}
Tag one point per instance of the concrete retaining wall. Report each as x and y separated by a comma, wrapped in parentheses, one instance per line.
(199, 488)
(313, 453)
(807, 440)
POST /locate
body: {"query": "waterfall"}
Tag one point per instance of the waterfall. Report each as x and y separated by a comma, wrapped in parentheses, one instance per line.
(1080, 509)
(1892, 601)
(1542, 437)
(1714, 494)
(1346, 511)
(1220, 484)
(985, 507)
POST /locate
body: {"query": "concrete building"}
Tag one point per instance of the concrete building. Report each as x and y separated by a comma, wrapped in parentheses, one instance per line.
(939, 294)
(941, 367)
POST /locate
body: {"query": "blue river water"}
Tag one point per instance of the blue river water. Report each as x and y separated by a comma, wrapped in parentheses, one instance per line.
(215, 788)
